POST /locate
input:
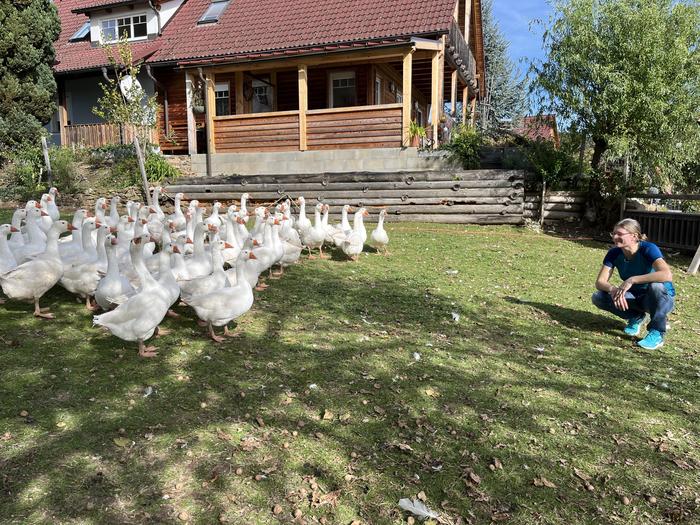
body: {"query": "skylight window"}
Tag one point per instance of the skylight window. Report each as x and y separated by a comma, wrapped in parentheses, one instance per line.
(214, 12)
(80, 33)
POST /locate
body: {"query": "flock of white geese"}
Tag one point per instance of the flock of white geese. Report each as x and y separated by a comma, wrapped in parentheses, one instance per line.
(135, 267)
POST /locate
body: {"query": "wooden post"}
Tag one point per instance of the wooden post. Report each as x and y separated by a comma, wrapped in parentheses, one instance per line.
(142, 169)
(435, 96)
(303, 105)
(693, 268)
(47, 161)
(474, 112)
(544, 198)
(453, 94)
(465, 94)
(467, 20)
(210, 110)
(240, 100)
(191, 123)
(407, 95)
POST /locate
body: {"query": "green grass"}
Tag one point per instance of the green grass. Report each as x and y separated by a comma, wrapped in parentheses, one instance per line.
(531, 375)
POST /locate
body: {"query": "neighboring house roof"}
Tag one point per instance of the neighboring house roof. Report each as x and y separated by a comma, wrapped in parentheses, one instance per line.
(539, 127)
(251, 28)
(86, 7)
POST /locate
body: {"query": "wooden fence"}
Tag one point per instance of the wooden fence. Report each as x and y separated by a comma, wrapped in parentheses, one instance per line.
(467, 197)
(362, 127)
(669, 229)
(566, 206)
(278, 131)
(96, 135)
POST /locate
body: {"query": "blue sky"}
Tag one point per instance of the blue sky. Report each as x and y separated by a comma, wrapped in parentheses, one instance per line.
(514, 18)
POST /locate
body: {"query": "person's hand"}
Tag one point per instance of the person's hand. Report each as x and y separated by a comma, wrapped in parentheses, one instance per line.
(618, 295)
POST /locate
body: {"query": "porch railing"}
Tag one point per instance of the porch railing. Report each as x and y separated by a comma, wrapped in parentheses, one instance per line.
(96, 135)
(274, 131)
(460, 55)
(354, 127)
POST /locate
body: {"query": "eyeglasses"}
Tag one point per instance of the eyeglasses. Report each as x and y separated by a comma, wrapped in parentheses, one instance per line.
(618, 234)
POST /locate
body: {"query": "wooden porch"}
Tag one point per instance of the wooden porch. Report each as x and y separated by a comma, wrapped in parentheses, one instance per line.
(98, 135)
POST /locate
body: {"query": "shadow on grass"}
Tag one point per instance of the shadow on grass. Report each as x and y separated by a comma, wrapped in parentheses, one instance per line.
(314, 345)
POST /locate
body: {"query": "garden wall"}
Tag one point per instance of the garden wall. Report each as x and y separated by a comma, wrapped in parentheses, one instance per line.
(466, 197)
(568, 206)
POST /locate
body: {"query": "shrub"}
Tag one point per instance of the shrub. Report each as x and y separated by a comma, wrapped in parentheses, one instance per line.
(24, 172)
(465, 146)
(158, 169)
(64, 169)
(125, 171)
(553, 165)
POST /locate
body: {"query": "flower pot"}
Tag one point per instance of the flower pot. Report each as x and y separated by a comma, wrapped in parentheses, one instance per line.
(198, 108)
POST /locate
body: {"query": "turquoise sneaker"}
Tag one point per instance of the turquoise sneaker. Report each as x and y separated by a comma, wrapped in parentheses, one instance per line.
(634, 326)
(652, 341)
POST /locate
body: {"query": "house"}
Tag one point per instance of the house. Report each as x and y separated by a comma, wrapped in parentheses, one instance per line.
(250, 76)
(539, 127)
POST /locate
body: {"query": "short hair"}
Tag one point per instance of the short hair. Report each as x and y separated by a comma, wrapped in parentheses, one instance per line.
(632, 226)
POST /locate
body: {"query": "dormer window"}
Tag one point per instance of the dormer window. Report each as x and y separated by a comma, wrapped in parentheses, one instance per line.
(133, 27)
(81, 33)
(214, 12)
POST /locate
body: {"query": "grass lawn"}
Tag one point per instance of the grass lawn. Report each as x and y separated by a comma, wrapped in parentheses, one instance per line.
(531, 407)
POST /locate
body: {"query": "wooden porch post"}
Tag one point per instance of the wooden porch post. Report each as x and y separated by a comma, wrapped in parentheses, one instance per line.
(407, 95)
(240, 101)
(465, 94)
(453, 94)
(62, 113)
(473, 119)
(303, 105)
(467, 20)
(435, 96)
(211, 111)
(191, 124)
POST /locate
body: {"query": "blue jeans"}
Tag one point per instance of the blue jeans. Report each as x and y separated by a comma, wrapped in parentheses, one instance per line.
(655, 300)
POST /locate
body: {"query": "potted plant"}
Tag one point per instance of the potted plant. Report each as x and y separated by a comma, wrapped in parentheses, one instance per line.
(416, 132)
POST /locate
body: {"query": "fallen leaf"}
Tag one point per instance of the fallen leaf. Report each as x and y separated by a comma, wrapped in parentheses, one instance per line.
(543, 482)
(121, 441)
(582, 475)
(328, 415)
(223, 435)
(277, 509)
(432, 392)
(379, 410)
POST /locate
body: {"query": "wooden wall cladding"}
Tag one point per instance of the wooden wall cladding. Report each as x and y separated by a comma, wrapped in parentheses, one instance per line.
(264, 132)
(370, 128)
(467, 197)
(174, 82)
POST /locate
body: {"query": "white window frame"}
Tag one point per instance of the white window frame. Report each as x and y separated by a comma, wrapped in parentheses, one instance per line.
(377, 90)
(221, 87)
(340, 75)
(115, 19)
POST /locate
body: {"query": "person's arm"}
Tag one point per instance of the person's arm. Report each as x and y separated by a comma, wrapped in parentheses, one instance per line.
(602, 283)
(661, 274)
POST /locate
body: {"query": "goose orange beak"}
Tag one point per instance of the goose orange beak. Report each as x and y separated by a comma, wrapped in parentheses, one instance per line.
(114, 242)
(44, 214)
(255, 242)
(13, 229)
(228, 246)
(98, 224)
(71, 228)
(176, 249)
(252, 256)
(365, 213)
(130, 219)
(189, 241)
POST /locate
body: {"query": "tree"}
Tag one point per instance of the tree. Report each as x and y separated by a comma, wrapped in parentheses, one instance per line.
(627, 73)
(124, 102)
(27, 85)
(506, 97)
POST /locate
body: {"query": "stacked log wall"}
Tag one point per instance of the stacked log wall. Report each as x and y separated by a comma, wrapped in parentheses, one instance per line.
(466, 197)
(566, 206)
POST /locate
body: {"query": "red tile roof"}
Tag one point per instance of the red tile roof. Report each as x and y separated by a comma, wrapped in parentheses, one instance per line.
(253, 28)
(101, 4)
(539, 127)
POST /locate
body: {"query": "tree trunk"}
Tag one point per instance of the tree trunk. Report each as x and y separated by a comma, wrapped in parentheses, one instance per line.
(600, 145)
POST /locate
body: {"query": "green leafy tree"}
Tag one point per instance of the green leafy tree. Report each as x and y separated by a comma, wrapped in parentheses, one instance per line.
(27, 85)
(627, 74)
(506, 96)
(124, 102)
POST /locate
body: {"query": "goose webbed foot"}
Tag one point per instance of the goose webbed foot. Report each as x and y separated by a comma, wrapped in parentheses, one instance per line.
(91, 307)
(227, 333)
(162, 331)
(201, 323)
(42, 312)
(216, 338)
(147, 351)
(173, 314)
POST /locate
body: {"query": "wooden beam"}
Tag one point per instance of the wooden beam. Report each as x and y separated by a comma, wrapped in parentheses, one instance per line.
(303, 105)
(62, 113)
(328, 58)
(465, 94)
(453, 95)
(426, 44)
(407, 95)
(435, 89)
(473, 112)
(191, 124)
(467, 19)
(240, 100)
(273, 81)
(210, 102)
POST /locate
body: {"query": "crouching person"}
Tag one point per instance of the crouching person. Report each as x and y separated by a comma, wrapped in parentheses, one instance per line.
(647, 286)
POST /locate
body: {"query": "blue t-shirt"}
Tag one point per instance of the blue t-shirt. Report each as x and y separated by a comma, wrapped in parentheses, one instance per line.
(640, 264)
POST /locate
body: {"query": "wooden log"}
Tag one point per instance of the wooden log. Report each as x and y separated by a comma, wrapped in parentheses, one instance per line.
(302, 187)
(329, 193)
(555, 199)
(558, 215)
(575, 207)
(408, 176)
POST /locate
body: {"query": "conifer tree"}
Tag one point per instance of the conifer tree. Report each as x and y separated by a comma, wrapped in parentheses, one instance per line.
(27, 85)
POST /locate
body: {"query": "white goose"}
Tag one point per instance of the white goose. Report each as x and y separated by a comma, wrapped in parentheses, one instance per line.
(177, 218)
(17, 239)
(31, 280)
(83, 277)
(354, 243)
(379, 239)
(303, 222)
(313, 237)
(138, 317)
(36, 239)
(220, 307)
(7, 259)
(52, 206)
(207, 283)
(113, 284)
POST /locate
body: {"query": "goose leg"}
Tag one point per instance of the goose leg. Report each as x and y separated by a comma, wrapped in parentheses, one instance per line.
(173, 314)
(162, 331)
(320, 253)
(89, 305)
(42, 312)
(215, 337)
(310, 256)
(146, 351)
